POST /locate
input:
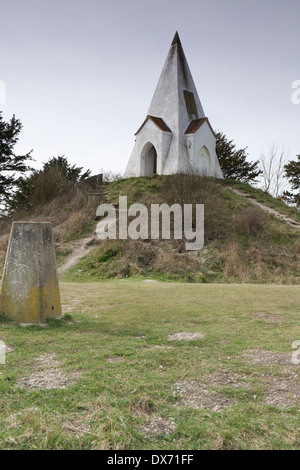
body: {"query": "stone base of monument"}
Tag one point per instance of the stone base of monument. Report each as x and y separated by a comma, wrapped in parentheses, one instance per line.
(30, 290)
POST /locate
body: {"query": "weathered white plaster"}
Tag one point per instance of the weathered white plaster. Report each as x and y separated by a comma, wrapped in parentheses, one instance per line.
(201, 147)
(176, 103)
(160, 140)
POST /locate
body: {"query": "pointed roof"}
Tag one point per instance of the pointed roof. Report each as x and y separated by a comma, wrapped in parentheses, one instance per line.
(160, 123)
(175, 99)
(176, 39)
(196, 124)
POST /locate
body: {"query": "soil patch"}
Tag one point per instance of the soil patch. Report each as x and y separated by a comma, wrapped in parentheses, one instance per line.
(202, 393)
(79, 249)
(185, 336)
(264, 357)
(282, 392)
(268, 317)
(115, 359)
(47, 375)
(159, 427)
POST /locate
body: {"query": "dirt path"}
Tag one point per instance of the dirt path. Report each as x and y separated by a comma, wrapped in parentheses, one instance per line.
(268, 209)
(82, 247)
(79, 249)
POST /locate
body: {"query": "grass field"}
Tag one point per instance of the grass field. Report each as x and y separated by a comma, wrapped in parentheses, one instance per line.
(153, 365)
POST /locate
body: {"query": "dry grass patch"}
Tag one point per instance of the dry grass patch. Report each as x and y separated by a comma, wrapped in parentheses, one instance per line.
(232, 261)
(158, 427)
(157, 347)
(264, 357)
(202, 393)
(77, 224)
(268, 317)
(197, 395)
(4, 239)
(282, 392)
(47, 374)
(115, 359)
(52, 426)
(142, 407)
(76, 426)
(186, 336)
(251, 221)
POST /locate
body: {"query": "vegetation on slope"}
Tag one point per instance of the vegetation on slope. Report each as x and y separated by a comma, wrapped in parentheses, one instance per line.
(243, 243)
(51, 195)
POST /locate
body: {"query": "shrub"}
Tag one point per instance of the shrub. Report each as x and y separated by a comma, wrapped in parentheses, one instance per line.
(78, 224)
(251, 221)
(194, 189)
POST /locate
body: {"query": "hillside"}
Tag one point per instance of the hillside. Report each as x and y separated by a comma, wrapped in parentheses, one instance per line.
(249, 236)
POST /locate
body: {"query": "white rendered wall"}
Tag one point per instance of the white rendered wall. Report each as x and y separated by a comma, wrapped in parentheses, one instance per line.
(193, 155)
(159, 139)
(176, 152)
(195, 142)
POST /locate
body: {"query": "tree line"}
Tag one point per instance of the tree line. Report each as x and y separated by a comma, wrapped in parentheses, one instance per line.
(23, 187)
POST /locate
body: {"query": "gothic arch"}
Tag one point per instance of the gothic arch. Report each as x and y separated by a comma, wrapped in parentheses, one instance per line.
(148, 160)
(204, 161)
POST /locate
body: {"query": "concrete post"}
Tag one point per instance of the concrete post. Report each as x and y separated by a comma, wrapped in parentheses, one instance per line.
(30, 290)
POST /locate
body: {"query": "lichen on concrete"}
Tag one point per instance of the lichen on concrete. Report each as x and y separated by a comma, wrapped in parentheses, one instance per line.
(30, 290)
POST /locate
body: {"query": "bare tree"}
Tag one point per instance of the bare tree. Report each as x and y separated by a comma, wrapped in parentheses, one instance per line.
(272, 167)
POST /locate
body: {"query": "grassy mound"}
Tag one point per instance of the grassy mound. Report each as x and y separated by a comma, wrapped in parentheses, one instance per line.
(70, 215)
(243, 243)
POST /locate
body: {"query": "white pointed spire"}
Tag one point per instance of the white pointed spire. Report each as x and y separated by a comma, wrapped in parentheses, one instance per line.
(175, 136)
(176, 90)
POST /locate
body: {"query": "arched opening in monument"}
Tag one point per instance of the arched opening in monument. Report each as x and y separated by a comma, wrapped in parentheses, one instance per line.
(204, 161)
(148, 160)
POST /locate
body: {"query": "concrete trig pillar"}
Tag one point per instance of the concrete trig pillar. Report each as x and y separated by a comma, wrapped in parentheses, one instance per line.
(30, 290)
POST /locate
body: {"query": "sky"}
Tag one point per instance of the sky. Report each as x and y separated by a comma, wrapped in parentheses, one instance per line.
(80, 74)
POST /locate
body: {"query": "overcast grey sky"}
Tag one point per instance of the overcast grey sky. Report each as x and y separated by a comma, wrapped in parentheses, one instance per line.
(80, 74)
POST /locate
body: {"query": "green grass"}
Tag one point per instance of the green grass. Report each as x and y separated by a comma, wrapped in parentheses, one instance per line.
(62, 255)
(265, 198)
(114, 345)
(139, 190)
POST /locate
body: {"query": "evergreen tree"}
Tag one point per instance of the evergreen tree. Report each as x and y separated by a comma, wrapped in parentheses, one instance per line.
(67, 171)
(56, 178)
(292, 172)
(233, 162)
(11, 165)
